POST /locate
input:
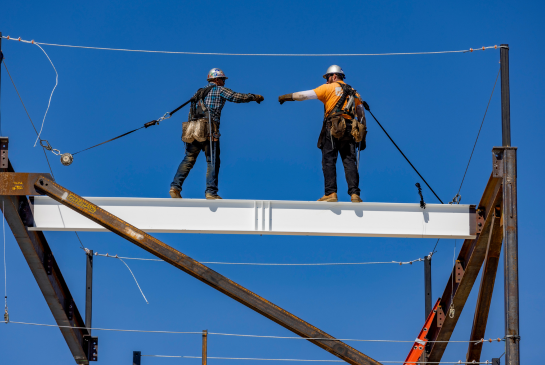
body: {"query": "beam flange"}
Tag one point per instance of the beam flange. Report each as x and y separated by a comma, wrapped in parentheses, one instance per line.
(203, 273)
(263, 217)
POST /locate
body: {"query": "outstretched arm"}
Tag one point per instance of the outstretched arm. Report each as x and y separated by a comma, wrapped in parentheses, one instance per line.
(298, 96)
(235, 97)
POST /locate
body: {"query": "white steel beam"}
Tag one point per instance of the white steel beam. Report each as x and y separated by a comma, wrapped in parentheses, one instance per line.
(267, 217)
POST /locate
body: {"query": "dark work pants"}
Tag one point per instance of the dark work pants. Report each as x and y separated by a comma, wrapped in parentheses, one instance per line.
(347, 150)
(192, 151)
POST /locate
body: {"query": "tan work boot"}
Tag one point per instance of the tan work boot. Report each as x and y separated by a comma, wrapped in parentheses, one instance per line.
(355, 198)
(212, 197)
(174, 193)
(329, 198)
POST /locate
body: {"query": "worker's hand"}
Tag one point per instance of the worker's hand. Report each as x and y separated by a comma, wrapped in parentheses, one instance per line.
(149, 124)
(258, 98)
(283, 98)
(365, 105)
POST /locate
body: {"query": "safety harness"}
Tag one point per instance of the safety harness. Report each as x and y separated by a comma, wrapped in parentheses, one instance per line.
(335, 124)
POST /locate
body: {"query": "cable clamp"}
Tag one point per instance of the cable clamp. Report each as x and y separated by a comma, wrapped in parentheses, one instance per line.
(451, 311)
(457, 199)
(48, 147)
(166, 116)
(6, 314)
(514, 337)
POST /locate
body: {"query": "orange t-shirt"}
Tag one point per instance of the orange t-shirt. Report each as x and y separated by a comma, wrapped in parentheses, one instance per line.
(329, 94)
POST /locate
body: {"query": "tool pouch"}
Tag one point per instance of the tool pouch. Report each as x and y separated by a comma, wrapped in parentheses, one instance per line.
(359, 131)
(338, 125)
(195, 130)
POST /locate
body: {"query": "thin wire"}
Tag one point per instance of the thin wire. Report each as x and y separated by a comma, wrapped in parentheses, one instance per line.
(5, 267)
(481, 127)
(273, 264)
(237, 335)
(28, 115)
(434, 247)
(81, 243)
(136, 281)
(303, 360)
(257, 54)
(50, 96)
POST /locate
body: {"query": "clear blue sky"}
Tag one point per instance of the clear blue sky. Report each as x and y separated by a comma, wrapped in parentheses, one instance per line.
(432, 106)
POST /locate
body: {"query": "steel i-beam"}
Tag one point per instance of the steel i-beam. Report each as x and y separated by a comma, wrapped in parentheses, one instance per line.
(202, 273)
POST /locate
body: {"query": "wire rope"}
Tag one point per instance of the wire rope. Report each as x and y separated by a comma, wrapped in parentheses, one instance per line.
(257, 54)
(134, 277)
(28, 115)
(50, 96)
(252, 336)
(271, 264)
(476, 139)
(399, 149)
(305, 360)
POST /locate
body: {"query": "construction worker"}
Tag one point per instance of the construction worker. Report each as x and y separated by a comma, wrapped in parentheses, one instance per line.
(340, 131)
(212, 98)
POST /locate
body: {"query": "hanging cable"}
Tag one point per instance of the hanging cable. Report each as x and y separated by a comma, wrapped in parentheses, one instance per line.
(273, 264)
(259, 54)
(134, 277)
(6, 313)
(458, 197)
(50, 96)
(366, 106)
(29, 118)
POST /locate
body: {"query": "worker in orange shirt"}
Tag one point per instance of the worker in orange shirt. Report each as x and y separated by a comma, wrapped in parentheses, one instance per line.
(341, 132)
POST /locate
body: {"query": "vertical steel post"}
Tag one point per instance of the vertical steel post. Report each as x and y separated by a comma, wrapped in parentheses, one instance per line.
(136, 357)
(89, 291)
(505, 102)
(510, 221)
(204, 346)
(427, 298)
(427, 285)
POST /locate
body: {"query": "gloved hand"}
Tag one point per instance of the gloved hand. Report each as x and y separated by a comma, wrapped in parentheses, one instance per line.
(149, 124)
(258, 98)
(365, 105)
(283, 98)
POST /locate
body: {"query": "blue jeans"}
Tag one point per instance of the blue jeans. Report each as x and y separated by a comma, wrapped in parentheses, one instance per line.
(192, 151)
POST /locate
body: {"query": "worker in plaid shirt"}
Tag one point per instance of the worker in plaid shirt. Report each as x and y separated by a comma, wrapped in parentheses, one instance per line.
(214, 102)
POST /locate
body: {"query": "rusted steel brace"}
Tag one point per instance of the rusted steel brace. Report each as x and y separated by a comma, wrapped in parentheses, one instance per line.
(203, 273)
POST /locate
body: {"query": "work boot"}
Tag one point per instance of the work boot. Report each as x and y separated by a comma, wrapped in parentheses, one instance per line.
(329, 198)
(355, 198)
(175, 193)
(212, 196)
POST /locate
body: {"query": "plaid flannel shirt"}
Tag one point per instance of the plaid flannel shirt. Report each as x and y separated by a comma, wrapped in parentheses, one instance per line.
(216, 98)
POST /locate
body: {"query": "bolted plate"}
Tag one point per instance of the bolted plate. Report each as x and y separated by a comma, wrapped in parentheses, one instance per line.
(20, 183)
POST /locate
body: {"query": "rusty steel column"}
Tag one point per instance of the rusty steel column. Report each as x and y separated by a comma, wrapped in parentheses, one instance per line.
(510, 221)
(510, 236)
(204, 346)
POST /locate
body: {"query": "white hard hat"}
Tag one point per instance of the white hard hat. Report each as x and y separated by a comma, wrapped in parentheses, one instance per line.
(215, 73)
(334, 69)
